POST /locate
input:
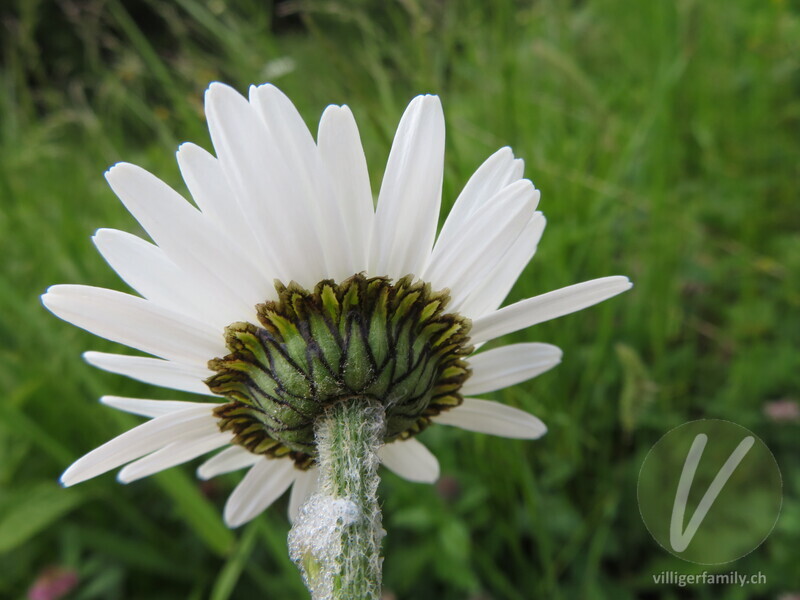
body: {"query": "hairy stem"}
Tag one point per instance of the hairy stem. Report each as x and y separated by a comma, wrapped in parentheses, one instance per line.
(336, 539)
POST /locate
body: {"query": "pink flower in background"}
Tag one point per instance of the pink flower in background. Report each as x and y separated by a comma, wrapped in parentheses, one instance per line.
(782, 410)
(53, 583)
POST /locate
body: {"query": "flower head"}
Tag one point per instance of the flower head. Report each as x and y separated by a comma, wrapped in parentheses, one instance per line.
(368, 300)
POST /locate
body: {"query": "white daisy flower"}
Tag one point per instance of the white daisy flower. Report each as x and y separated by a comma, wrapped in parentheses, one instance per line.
(371, 301)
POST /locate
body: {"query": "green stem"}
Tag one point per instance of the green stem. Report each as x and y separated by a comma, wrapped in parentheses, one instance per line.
(336, 540)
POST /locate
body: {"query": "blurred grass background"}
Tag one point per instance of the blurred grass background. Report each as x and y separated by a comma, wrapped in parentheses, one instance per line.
(665, 137)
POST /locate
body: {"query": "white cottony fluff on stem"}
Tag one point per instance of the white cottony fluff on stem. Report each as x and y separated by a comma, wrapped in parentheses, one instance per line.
(317, 535)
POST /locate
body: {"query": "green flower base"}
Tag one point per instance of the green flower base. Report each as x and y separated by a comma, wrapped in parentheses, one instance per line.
(391, 343)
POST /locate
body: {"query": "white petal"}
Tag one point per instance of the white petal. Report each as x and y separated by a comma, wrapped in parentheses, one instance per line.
(343, 156)
(411, 460)
(498, 171)
(135, 322)
(240, 141)
(164, 373)
(547, 306)
(284, 122)
(213, 194)
(146, 268)
(408, 204)
(490, 293)
(263, 484)
(509, 365)
(305, 485)
(517, 170)
(312, 184)
(257, 170)
(493, 418)
(139, 441)
(230, 459)
(485, 238)
(153, 408)
(233, 286)
(174, 454)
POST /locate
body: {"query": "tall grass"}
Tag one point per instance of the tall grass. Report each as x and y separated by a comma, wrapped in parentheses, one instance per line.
(665, 139)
